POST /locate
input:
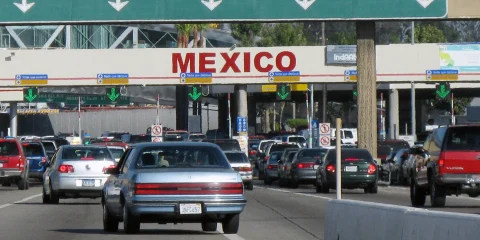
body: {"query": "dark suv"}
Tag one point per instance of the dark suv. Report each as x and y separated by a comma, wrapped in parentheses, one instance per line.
(450, 165)
(13, 164)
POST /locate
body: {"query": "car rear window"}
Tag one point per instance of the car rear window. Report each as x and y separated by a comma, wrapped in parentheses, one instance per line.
(8, 149)
(350, 155)
(264, 145)
(33, 150)
(396, 145)
(281, 147)
(117, 152)
(74, 154)
(274, 157)
(237, 157)
(463, 139)
(312, 153)
(226, 145)
(49, 146)
(297, 139)
(291, 155)
(181, 157)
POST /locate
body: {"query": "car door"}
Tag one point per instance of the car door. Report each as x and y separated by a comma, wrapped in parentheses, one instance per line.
(50, 172)
(420, 171)
(120, 181)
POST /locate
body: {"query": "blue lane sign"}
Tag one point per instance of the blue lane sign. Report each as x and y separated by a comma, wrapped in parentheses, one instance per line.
(442, 75)
(31, 77)
(112, 78)
(114, 75)
(314, 124)
(242, 124)
(350, 75)
(293, 76)
(201, 77)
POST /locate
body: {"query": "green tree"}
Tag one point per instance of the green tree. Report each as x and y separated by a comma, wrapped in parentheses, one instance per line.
(282, 34)
(246, 32)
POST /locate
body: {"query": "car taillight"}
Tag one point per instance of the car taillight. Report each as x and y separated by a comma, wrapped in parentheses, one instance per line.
(188, 188)
(305, 165)
(441, 163)
(87, 158)
(108, 167)
(272, 167)
(44, 159)
(331, 168)
(65, 169)
(371, 169)
(253, 152)
(351, 159)
(245, 169)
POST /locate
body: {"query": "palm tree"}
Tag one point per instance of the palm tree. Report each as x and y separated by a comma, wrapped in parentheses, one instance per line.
(183, 34)
(201, 28)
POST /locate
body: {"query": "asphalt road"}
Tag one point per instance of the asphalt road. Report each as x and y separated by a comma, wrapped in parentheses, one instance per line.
(271, 213)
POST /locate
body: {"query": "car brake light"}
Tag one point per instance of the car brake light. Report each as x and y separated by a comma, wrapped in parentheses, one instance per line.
(87, 158)
(245, 169)
(371, 169)
(351, 159)
(272, 166)
(108, 167)
(305, 165)
(331, 168)
(253, 152)
(267, 157)
(65, 169)
(188, 188)
(44, 159)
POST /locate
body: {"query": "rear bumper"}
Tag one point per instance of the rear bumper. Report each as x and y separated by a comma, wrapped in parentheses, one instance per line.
(247, 176)
(273, 174)
(7, 173)
(74, 184)
(37, 173)
(170, 206)
(305, 175)
(466, 183)
(353, 181)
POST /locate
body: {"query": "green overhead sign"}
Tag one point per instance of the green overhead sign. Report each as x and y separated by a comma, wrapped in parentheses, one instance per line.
(71, 99)
(123, 11)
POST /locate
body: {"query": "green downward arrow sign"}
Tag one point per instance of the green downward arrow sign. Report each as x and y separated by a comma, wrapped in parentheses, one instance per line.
(283, 94)
(195, 94)
(30, 96)
(443, 92)
(113, 95)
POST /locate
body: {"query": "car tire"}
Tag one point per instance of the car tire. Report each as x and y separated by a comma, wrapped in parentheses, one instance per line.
(372, 189)
(131, 225)
(249, 186)
(318, 188)
(209, 226)
(267, 181)
(417, 195)
(22, 183)
(45, 197)
(438, 196)
(325, 188)
(282, 183)
(53, 197)
(231, 224)
(110, 223)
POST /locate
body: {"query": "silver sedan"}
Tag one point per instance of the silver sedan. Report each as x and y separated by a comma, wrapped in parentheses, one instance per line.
(76, 172)
(173, 182)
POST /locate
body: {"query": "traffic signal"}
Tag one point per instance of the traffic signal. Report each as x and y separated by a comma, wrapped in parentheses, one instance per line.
(283, 93)
(30, 94)
(355, 93)
(195, 93)
(443, 91)
(112, 93)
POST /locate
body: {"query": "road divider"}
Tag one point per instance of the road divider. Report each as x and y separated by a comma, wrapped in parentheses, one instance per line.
(349, 219)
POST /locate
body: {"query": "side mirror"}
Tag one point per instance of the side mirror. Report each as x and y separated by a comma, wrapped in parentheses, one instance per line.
(111, 171)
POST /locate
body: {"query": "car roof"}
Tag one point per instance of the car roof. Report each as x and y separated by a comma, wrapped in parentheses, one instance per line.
(175, 144)
(82, 146)
(234, 152)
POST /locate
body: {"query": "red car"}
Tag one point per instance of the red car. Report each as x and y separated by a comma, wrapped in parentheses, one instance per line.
(13, 164)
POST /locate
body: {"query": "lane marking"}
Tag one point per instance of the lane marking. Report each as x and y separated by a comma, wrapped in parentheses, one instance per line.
(315, 196)
(20, 201)
(229, 236)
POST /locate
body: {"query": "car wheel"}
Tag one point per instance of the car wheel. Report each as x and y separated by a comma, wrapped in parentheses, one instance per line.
(131, 225)
(373, 189)
(249, 186)
(438, 195)
(282, 182)
(45, 197)
(54, 199)
(110, 223)
(325, 188)
(22, 183)
(267, 181)
(209, 226)
(318, 187)
(231, 223)
(417, 196)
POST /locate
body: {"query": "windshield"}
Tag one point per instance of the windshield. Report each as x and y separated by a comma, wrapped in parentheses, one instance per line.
(181, 157)
(312, 153)
(49, 146)
(33, 150)
(297, 139)
(281, 147)
(8, 149)
(463, 138)
(226, 145)
(264, 145)
(117, 152)
(237, 157)
(74, 154)
(274, 157)
(351, 155)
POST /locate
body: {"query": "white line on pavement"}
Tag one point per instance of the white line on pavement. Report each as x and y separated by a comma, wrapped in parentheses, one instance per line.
(20, 201)
(315, 196)
(229, 236)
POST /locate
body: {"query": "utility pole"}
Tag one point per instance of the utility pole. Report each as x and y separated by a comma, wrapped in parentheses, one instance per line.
(324, 86)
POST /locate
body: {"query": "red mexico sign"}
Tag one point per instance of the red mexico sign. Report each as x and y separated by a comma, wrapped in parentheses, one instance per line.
(236, 62)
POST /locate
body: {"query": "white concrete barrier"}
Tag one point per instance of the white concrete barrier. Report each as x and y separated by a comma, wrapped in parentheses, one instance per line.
(351, 220)
(435, 225)
(357, 220)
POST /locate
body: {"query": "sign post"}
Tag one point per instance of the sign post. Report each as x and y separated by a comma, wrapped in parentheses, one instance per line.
(157, 133)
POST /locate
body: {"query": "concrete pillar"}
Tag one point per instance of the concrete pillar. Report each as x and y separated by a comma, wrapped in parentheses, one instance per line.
(241, 102)
(13, 119)
(393, 112)
(181, 107)
(252, 117)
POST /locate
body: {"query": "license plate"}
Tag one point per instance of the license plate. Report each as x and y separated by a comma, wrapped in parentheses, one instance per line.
(316, 166)
(88, 183)
(1, 164)
(194, 208)
(351, 168)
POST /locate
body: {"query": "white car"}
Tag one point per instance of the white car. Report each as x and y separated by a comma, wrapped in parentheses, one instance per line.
(239, 162)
